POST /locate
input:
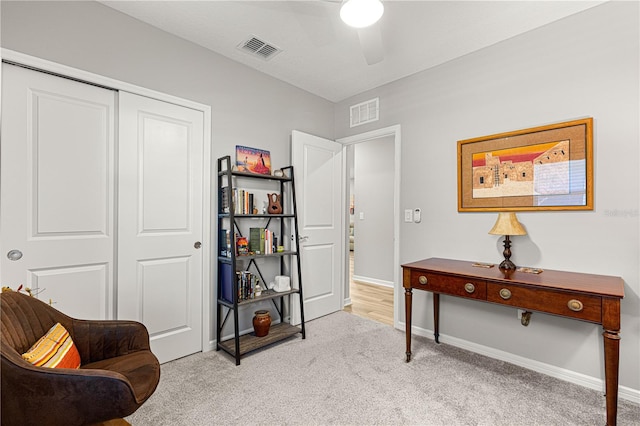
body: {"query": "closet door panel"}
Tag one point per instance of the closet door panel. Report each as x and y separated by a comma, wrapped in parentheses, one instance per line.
(70, 179)
(84, 282)
(160, 201)
(164, 174)
(57, 190)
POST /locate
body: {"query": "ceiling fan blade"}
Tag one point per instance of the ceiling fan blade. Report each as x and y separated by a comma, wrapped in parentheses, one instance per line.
(371, 43)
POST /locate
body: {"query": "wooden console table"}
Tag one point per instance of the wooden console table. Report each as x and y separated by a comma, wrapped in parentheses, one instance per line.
(585, 297)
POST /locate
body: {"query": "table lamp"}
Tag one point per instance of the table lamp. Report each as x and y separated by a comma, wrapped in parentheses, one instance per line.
(507, 224)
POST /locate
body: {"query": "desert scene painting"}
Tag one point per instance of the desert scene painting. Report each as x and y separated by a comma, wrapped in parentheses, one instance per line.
(532, 170)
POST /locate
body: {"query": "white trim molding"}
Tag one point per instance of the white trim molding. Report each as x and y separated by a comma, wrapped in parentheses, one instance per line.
(372, 281)
(394, 131)
(590, 382)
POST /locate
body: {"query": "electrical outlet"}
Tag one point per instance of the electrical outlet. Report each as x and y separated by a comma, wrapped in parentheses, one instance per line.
(408, 215)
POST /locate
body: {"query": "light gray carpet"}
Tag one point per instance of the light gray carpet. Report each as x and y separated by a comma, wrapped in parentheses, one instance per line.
(352, 371)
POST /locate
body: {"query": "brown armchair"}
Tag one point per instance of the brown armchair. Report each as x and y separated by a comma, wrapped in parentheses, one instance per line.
(118, 372)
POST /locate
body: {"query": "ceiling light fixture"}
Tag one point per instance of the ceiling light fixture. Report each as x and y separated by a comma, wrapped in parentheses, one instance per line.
(361, 13)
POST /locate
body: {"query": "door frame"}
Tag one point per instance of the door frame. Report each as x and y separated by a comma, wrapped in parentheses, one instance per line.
(394, 131)
(65, 71)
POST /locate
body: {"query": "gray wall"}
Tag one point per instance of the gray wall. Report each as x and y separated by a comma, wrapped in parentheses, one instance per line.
(373, 188)
(584, 65)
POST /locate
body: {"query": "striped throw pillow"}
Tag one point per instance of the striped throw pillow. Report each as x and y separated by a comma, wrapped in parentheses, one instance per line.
(55, 350)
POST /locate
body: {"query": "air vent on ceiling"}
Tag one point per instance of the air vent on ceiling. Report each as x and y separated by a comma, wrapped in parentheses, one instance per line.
(259, 48)
(365, 112)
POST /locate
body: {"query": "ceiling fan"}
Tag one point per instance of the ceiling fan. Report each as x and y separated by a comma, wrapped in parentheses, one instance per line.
(364, 16)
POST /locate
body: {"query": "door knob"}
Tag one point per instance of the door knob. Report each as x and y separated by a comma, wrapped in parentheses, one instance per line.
(303, 238)
(197, 244)
(14, 255)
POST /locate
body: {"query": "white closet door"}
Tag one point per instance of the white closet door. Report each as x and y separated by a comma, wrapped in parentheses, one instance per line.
(57, 191)
(160, 222)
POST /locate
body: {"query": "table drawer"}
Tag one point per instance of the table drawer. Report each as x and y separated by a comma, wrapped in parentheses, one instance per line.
(588, 308)
(445, 284)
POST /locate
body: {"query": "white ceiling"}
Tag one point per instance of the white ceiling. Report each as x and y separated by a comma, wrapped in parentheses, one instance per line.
(321, 55)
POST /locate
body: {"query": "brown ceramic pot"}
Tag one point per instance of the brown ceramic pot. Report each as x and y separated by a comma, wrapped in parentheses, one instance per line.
(261, 323)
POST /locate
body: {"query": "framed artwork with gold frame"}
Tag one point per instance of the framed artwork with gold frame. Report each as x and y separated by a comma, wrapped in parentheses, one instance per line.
(542, 168)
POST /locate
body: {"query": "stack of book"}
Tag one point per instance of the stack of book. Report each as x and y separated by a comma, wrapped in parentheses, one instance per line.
(242, 201)
(262, 241)
(247, 283)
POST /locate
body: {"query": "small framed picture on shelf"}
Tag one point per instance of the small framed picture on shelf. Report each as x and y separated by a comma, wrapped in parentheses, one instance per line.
(253, 160)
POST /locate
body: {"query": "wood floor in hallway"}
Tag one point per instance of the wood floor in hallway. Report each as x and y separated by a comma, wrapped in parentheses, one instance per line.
(369, 300)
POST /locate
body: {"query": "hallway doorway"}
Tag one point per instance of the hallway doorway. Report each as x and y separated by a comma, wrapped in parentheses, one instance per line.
(372, 181)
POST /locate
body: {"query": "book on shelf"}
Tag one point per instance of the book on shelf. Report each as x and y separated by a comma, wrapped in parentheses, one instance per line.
(268, 242)
(256, 240)
(247, 285)
(224, 200)
(262, 241)
(226, 281)
(224, 242)
(243, 201)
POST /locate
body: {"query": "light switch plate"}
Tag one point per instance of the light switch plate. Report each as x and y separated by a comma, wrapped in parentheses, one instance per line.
(408, 215)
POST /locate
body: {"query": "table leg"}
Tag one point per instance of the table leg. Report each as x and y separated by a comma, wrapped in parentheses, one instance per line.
(436, 316)
(407, 319)
(611, 364)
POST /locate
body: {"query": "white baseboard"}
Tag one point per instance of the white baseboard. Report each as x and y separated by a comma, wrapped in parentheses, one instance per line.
(626, 393)
(373, 281)
(347, 301)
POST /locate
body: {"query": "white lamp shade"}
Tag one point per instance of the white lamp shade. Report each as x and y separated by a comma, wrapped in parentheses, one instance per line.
(361, 13)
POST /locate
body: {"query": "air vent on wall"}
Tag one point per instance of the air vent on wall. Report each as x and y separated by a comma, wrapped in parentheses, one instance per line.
(259, 48)
(364, 112)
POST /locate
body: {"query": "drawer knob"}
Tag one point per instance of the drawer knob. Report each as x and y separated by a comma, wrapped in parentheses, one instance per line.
(505, 293)
(422, 279)
(575, 305)
(469, 288)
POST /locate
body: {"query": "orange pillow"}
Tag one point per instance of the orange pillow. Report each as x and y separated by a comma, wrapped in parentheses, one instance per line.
(55, 350)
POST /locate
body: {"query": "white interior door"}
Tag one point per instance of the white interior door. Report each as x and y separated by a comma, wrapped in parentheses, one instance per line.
(160, 222)
(317, 164)
(57, 192)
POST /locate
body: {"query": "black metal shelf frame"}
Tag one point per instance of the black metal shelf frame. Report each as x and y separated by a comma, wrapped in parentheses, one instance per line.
(229, 309)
